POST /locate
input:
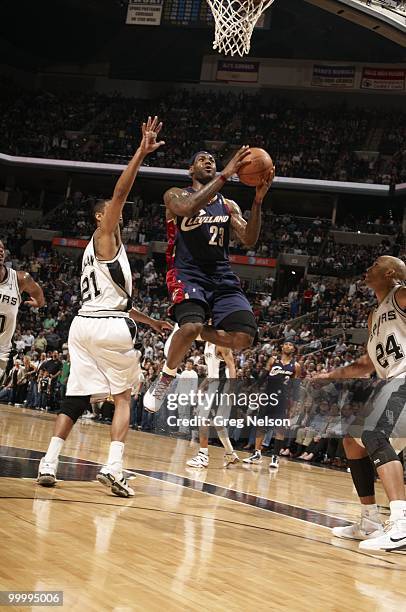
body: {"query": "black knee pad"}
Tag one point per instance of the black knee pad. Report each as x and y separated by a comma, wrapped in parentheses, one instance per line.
(239, 321)
(190, 311)
(378, 448)
(74, 406)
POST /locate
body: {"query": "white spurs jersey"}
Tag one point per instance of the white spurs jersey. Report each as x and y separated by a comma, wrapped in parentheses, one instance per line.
(10, 300)
(387, 338)
(216, 368)
(102, 283)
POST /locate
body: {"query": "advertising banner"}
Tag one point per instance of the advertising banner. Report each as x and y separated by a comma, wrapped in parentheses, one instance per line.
(237, 72)
(144, 12)
(391, 79)
(333, 76)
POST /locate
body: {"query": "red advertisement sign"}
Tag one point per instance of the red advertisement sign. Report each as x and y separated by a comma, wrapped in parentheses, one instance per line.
(383, 78)
(246, 260)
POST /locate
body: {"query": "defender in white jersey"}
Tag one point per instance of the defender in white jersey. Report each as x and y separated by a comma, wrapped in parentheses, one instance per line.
(220, 368)
(103, 358)
(12, 284)
(386, 355)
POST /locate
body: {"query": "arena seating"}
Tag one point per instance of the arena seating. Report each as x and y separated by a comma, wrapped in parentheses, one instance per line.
(320, 143)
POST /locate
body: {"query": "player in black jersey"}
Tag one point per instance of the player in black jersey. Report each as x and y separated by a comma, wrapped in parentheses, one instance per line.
(200, 281)
(280, 372)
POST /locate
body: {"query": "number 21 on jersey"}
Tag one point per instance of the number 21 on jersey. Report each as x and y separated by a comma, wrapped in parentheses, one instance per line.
(89, 289)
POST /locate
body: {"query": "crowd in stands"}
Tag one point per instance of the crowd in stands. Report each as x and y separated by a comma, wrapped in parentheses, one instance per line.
(144, 222)
(306, 142)
(40, 364)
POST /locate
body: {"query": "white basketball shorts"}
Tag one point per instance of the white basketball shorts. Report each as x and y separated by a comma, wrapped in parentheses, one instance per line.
(102, 354)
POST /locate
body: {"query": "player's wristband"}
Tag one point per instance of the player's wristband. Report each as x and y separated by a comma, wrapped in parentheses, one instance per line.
(223, 178)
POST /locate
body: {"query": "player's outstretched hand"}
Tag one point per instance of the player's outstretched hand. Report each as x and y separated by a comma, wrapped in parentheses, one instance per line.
(161, 326)
(32, 302)
(237, 162)
(322, 376)
(150, 131)
(263, 188)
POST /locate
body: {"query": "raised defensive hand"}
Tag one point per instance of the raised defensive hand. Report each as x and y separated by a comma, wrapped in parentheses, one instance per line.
(150, 131)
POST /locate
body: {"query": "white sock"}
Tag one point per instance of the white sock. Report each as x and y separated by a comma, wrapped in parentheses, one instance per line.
(205, 451)
(370, 511)
(225, 440)
(258, 451)
(397, 510)
(54, 449)
(167, 370)
(115, 458)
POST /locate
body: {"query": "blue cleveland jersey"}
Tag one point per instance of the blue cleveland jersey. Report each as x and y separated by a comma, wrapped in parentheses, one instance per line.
(280, 374)
(200, 241)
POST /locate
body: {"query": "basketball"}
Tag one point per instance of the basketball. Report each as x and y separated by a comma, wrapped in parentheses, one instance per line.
(257, 170)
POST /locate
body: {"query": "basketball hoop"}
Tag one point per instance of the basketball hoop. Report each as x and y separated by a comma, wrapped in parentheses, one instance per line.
(234, 23)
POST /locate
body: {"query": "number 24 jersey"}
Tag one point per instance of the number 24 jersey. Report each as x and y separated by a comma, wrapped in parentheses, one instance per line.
(387, 337)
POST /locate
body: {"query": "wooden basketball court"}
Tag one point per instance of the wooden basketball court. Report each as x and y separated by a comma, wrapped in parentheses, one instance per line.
(237, 539)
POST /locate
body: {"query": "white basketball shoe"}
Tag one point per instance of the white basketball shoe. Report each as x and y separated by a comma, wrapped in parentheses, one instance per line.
(256, 457)
(274, 463)
(47, 473)
(363, 530)
(116, 481)
(156, 394)
(200, 461)
(393, 537)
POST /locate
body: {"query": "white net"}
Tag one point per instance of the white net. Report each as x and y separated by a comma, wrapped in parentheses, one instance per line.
(234, 23)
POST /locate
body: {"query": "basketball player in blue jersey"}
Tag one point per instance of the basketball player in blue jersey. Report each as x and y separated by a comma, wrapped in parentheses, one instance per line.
(200, 281)
(383, 433)
(280, 372)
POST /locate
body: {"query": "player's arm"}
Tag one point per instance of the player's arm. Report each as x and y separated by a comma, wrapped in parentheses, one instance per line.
(270, 363)
(360, 368)
(298, 370)
(184, 204)
(248, 232)
(228, 358)
(148, 144)
(27, 283)
(158, 326)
